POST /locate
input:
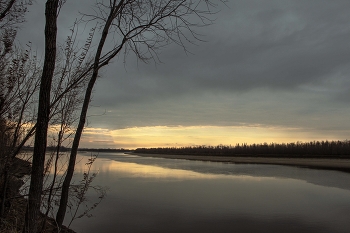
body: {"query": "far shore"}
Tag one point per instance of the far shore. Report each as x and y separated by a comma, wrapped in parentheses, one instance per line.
(316, 163)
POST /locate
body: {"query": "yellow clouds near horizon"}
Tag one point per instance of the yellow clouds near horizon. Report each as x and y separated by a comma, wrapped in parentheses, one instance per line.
(177, 136)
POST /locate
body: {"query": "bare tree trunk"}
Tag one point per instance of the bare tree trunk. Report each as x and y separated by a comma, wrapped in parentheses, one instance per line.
(3, 196)
(36, 182)
(60, 135)
(70, 170)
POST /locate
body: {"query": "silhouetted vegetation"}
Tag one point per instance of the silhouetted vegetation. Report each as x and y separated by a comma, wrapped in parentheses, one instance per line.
(48, 100)
(313, 149)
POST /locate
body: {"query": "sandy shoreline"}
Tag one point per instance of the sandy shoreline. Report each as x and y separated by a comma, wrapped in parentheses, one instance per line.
(316, 163)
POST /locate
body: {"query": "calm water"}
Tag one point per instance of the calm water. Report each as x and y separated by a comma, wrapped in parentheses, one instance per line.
(162, 195)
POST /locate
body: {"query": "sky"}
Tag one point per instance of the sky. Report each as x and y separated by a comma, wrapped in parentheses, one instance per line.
(266, 71)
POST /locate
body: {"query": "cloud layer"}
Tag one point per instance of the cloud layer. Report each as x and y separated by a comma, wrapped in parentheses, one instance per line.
(273, 63)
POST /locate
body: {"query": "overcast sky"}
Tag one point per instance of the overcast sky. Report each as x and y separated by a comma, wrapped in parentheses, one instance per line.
(269, 71)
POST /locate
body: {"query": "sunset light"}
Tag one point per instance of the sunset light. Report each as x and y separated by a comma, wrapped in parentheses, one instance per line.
(178, 136)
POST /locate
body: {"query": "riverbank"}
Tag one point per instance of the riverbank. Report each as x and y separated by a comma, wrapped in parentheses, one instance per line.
(15, 204)
(315, 163)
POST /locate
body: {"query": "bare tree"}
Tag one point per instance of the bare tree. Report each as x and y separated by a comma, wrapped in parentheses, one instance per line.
(65, 119)
(19, 71)
(141, 27)
(36, 182)
(20, 83)
(67, 72)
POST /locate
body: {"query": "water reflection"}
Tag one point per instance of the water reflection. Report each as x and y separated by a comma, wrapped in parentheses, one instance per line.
(126, 169)
(319, 177)
(159, 195)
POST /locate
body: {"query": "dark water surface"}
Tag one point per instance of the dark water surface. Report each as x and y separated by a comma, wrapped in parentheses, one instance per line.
(162, 195)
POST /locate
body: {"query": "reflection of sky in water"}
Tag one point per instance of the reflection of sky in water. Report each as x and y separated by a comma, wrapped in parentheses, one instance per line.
(143, 197)
(125, 169)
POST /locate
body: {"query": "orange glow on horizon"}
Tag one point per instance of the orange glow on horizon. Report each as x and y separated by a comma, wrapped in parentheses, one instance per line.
(178, 136)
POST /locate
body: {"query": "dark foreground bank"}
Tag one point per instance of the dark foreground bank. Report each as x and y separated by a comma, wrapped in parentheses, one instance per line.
(15, 205)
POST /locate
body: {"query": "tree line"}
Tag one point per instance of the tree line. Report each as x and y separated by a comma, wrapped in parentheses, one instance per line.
(312, 149)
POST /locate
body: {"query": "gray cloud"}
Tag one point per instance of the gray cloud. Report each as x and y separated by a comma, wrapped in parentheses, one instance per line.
(279, 46)
(273, 62)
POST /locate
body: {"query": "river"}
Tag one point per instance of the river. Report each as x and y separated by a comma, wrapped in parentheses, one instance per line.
(164, 195)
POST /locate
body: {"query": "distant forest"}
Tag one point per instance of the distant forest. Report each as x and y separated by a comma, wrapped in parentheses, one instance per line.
(325, 149)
